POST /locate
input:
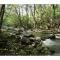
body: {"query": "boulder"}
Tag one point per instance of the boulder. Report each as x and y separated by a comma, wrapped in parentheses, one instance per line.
(52, 36)
(49, 36)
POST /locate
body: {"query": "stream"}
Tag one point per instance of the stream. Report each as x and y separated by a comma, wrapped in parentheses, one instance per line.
(53, 45)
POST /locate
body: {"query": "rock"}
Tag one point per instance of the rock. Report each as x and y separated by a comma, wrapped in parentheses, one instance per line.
(25, 41)
(44, 37)
(32, 39)
(28, 35)
(52, 36)
(33, 44)
(37, 38)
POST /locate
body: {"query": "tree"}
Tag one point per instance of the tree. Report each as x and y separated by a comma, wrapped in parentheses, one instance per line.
(54, 8)
(1, 15)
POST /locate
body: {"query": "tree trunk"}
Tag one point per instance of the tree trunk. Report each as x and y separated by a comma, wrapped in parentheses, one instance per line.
(1, 15)
(53, 11)
(34, 16)
(27, 16)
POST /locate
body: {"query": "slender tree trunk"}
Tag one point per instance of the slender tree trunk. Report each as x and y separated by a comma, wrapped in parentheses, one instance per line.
(1, 15)
(27, 14)
(34, 16)
(53, 11)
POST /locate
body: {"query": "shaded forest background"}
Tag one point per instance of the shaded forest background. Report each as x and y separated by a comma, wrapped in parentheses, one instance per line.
(29, 16)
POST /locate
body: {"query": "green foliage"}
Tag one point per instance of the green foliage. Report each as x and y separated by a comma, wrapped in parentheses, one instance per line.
(17, 15)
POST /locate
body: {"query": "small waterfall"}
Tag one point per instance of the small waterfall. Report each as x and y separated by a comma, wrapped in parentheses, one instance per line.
(49, 42)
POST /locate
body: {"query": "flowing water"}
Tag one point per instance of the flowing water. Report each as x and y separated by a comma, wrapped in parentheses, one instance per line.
(57, 47)
(53, 45)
